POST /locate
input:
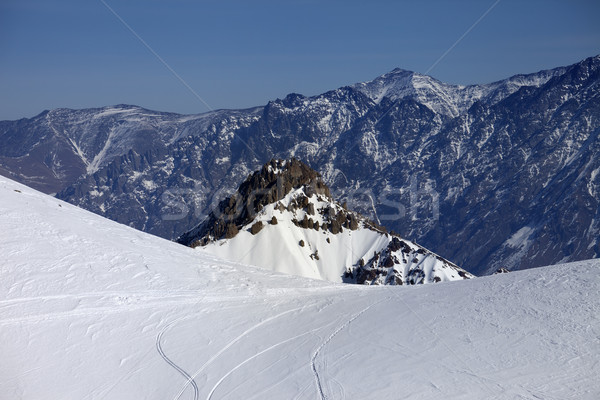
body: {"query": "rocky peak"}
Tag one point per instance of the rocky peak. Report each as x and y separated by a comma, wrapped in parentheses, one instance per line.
(283, 218)
(269, 185)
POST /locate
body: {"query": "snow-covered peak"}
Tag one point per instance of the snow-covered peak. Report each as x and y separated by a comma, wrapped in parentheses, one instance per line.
(444, 98)
(283, 218)
(324, 241)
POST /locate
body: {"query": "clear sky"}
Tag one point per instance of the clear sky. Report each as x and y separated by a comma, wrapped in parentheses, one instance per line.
(236, 54)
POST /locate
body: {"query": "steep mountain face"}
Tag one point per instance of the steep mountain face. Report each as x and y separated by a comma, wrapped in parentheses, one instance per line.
(161, 188)
(491, 176)
(527, 173)
(283, 218)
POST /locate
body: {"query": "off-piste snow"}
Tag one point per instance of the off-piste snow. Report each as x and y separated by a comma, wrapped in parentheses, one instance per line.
(91, 309)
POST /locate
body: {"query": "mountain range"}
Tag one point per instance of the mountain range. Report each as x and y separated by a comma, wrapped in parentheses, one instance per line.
(497, 175)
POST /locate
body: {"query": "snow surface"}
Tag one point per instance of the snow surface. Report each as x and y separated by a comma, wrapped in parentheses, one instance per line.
(90, 309)
(322, 255)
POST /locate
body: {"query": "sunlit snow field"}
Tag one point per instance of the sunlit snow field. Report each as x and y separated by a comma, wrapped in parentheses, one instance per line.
(90, 309)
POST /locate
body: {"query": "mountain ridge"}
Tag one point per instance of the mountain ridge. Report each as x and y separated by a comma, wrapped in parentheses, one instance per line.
(453, 100)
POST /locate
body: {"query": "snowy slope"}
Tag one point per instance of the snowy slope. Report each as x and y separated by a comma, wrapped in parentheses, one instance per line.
(288, 248)
(90, 309)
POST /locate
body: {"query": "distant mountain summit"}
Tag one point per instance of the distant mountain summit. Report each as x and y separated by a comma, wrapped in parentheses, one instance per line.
(443, 98)
(283, 218)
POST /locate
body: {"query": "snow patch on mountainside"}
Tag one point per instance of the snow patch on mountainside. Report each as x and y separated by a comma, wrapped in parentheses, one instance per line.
(318, 253)
(277, 247)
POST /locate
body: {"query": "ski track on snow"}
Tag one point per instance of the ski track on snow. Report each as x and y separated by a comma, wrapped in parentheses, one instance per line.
(189, 379)
(160, 294)
(313, 364)
(121, 302)
(231, 343)
(209, 397)
(91, 311)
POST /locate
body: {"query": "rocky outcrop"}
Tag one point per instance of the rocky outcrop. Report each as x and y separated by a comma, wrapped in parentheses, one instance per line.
(384, 267)
(268, 185)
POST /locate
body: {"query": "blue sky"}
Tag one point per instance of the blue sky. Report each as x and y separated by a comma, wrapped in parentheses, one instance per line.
(236, 54)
